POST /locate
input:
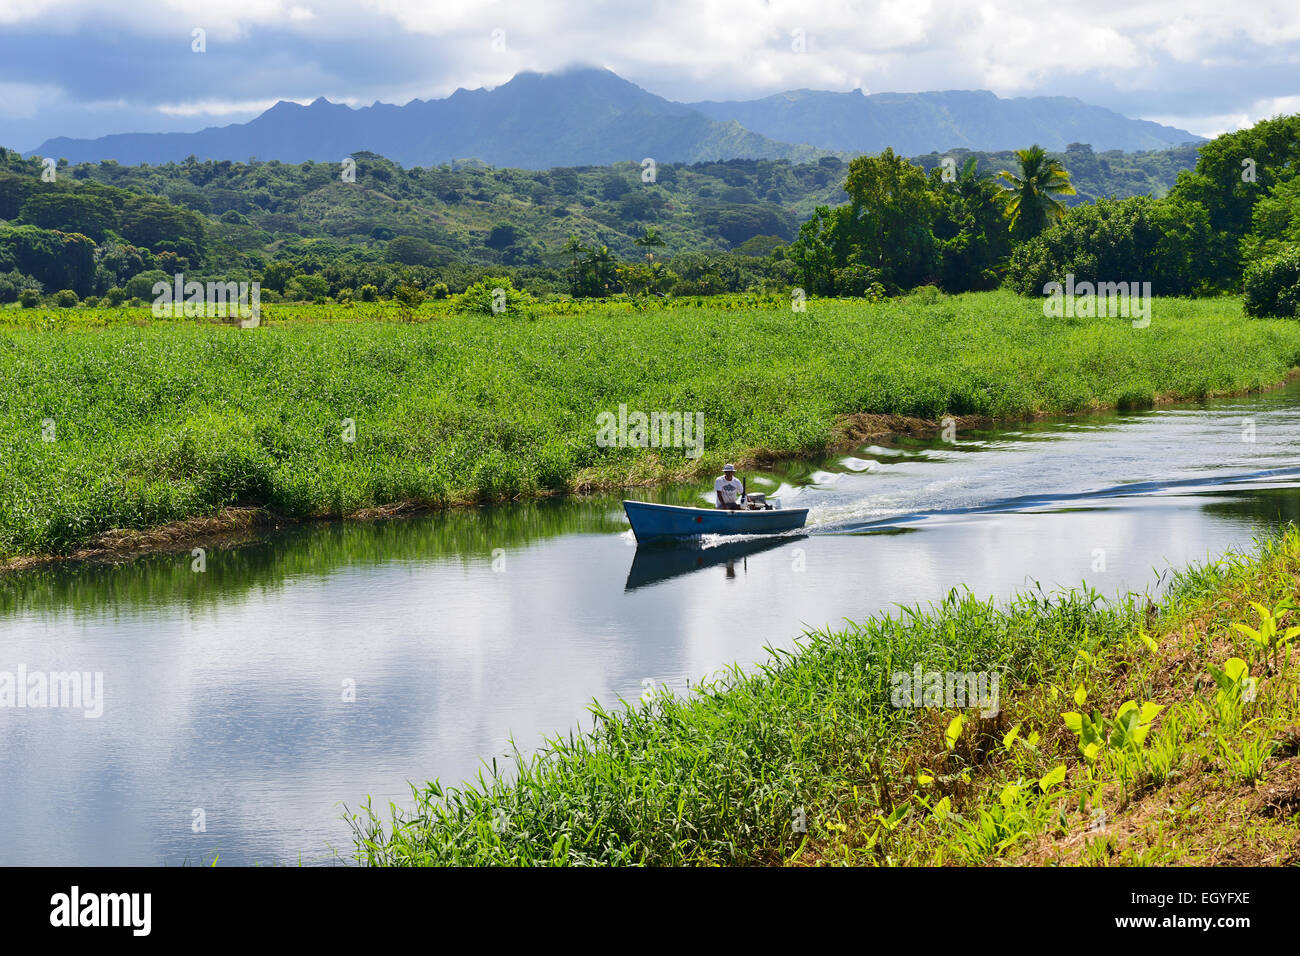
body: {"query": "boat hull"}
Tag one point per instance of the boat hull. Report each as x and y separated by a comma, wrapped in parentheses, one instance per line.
(652, 522)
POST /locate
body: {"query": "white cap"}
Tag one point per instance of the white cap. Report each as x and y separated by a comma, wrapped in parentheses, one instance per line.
(728, 467)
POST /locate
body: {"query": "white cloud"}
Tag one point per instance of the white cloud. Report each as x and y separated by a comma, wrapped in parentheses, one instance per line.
(215, 108)
(1211, 126)
(1200, 59)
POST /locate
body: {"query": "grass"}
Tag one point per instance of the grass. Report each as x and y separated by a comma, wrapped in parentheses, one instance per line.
(806, 761)
(111, 420)
(1196, 762)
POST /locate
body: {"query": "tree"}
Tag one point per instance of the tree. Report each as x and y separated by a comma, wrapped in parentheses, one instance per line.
(492, 296)
(147, 222)
(813, 251)
(639, 278)
(307, 288)
(503, 234)
(592, 271)
(1272, 285)
(1233, 173)
(412, 251)
(1140, 239)
(886, 229)
(760, 246)
(276, 276)
(141, 286)
(891, 217)
(79, 210)
(649, 240)
(1275, 223)
(972, 232)
(1033, 203)
(58, 260)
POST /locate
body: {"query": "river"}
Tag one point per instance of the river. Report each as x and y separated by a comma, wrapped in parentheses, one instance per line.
(244, 704)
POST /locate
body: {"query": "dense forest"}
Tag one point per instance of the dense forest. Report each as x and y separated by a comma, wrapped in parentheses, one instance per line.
(1190, 220)
(1230, 224)
(322, 229)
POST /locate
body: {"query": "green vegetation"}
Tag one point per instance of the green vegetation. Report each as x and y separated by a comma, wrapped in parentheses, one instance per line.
(1146, 240)
(1093, 175)
(104, 230)
(809, 758)
(902, 229)
(1236, 215)
(112, 420)
(1035, 195)
(1232, 221)
(309, 236)
(1272, 284)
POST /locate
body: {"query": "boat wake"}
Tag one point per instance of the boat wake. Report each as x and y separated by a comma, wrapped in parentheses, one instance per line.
(1272, 477)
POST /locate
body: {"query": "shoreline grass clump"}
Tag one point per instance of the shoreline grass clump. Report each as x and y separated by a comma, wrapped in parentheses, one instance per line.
(1128, 732)
(137, 424)
(725, 775)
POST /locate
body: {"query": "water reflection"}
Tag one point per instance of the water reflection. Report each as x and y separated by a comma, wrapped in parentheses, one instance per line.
(459, 632)
(655, 563)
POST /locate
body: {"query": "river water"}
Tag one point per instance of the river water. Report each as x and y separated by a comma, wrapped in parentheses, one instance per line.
(308, 668)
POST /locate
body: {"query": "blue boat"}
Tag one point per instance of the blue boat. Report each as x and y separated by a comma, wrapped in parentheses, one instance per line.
(651, 522)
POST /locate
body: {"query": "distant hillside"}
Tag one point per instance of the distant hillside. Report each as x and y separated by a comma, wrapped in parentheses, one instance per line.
(522, 217)
(589, 117)
(915, 123)
(1095, 175)
(575, 118)
(450, 224)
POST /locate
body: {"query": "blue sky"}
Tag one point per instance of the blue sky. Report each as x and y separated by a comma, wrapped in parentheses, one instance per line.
(78, 68)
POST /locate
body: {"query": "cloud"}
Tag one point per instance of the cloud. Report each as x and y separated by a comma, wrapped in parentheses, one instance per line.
(105, 68)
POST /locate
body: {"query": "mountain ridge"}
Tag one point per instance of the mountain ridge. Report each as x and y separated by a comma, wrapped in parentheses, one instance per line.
(589, 117)
(854, 122)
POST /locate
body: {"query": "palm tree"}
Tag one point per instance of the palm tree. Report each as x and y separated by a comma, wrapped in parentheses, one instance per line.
(603, 268)
(648, 240)
(1032, 203)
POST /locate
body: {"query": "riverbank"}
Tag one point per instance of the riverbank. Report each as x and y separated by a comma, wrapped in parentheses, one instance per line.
(133, 437)
(825, 756)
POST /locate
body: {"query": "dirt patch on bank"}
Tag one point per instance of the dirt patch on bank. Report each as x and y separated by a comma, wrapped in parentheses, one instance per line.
(228, 526)
(852, 430)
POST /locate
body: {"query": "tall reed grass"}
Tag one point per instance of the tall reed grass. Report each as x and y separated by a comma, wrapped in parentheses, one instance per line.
(126, 425)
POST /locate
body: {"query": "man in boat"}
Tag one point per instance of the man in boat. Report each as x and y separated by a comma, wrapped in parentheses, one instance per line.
(728, 489)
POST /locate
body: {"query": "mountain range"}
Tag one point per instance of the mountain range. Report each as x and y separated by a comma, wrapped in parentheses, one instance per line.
(593, 117)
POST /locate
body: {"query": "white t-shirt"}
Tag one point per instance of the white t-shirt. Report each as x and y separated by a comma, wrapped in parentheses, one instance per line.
(729, 488)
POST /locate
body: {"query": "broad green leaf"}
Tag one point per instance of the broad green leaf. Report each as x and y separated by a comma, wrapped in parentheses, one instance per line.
(1236, 668)
(954, 730)
(1050, 779)
(1223, 680)
(900, 811)
(1250, 632)
(942, 809)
